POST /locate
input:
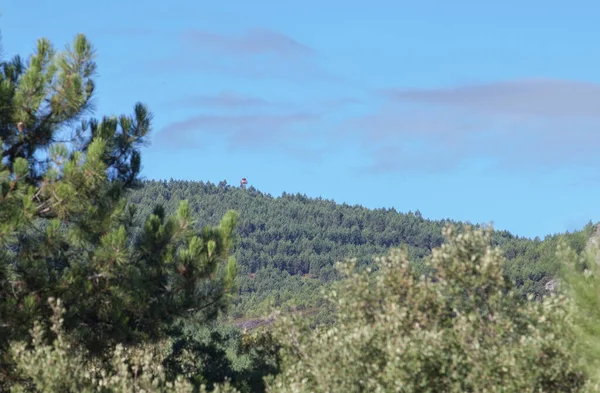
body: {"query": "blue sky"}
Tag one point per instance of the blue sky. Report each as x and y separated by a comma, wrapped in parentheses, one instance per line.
(470, 110)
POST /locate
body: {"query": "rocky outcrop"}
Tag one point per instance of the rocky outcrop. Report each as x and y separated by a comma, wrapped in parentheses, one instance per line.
(552, 285)
(593, 244)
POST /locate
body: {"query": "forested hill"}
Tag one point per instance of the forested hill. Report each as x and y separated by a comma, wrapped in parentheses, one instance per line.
(291, 242)
(293, 232)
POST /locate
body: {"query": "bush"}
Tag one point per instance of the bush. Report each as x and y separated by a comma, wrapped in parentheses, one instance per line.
(463, 329)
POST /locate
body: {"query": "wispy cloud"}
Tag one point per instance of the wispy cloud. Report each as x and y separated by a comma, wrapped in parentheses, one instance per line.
(230, 101)
(238, 131)
(256, 53)
(409, 160)
(532, 97)
(251, 42)
(226, 99)
(524, 126)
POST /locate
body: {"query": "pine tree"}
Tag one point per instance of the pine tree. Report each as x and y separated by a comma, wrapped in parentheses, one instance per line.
(65, 227)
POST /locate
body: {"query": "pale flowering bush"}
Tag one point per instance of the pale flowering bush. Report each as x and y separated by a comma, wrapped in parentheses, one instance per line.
(63, 368)
(461, 329)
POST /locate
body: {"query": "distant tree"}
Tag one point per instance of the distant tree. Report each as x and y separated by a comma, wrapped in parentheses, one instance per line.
(66, 230)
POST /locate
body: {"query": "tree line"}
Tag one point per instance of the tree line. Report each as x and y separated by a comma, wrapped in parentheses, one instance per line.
(288, 245)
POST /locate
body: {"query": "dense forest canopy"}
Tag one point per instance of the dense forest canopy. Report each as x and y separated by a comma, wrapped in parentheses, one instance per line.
(287, 246)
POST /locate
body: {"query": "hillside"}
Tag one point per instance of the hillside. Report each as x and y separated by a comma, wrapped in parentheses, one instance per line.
(287, 245)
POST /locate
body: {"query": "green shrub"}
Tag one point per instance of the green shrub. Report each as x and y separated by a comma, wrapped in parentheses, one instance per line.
(461, 330)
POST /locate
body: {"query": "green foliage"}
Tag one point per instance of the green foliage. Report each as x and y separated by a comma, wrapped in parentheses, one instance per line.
(211, 354)
(294, 233)
(67, 232)
(461, 329)
(63, 367)
(532, 264)
(581, 281)
(288, 245)
(272, 288)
